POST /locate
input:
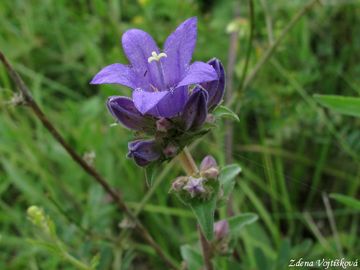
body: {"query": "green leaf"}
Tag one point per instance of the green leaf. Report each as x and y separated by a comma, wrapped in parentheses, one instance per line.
(204, 212)
(95, 261)
(283, 254)
(236, 223)
(346, 200)
(345, 105)
(227, 178)
(191, 256)
(261, 260)
(222, 111)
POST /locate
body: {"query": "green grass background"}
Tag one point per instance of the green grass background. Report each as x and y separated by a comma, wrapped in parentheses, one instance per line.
(291, 151)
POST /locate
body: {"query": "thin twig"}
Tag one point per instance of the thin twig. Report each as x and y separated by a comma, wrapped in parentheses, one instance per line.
(82, 163)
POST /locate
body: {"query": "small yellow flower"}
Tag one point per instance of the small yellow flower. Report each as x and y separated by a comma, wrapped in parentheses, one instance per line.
(143, 2)
(138, 20)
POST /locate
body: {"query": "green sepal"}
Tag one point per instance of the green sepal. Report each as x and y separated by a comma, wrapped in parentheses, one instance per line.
(223, 111)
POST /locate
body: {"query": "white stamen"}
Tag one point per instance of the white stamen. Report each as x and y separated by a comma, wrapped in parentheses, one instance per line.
(156, 57)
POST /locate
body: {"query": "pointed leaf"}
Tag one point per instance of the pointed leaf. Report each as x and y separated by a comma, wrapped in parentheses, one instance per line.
(227, 177)
(204, 212)
(236, 223)
(346, 200)
(261, 260)
(341, 104)
(222, 111)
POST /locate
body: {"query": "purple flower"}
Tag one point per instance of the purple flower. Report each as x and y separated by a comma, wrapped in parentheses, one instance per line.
(209, 168)
(194, 186)
(207, 163)
(215, 88)
(160, 79)
(221, 229)
(195, 111)
(144, 151)
(124, 111)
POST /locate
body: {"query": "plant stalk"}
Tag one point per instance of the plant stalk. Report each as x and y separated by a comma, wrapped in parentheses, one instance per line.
(187, 162)
(190, 168)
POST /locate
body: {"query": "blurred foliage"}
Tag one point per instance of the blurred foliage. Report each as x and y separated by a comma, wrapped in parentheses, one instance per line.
(291, 151)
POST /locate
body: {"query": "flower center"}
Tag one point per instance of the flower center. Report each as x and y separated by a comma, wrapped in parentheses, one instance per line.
(156, 57)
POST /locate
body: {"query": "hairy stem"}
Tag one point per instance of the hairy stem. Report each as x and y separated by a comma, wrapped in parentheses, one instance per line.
(206, 250)
(187, 162)
(139, 227)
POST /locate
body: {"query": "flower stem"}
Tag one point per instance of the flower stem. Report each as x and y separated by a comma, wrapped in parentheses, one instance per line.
(187, 162)
(190, 168)
(206, 250)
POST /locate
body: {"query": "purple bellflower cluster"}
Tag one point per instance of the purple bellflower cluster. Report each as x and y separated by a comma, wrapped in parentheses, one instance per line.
(171, 99)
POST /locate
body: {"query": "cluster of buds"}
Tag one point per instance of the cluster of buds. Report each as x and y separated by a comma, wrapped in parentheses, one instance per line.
(37, 216)
(199, 185)
(172, 98)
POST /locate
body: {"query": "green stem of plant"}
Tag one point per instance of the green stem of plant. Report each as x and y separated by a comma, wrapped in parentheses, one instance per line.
(187, 162)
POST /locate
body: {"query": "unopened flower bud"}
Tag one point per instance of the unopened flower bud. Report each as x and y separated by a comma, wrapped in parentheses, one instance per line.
(211, 173)
(179, 183)
(17, 99)
(195, 110)
(163, 125)
(207, 163)
(210, 118)
(143, 151)
(194, 186)
(171, 150)
(221, 229)
(89, 157)
(124, 111)
(36, 215)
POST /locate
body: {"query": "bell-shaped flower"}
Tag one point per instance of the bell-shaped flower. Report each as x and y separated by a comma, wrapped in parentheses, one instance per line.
(215, 88)
(160, 79)
(195, 110)
(144, 151)
(124, 111)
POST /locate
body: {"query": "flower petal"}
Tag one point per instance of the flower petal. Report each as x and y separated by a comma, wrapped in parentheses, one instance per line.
(179, 47)
(124, 110)
(198, 72)
(145, 101)
(144, 151)
(215, 88)
(195, 111)
(138, 46)
(115, 73)
(172, 103)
